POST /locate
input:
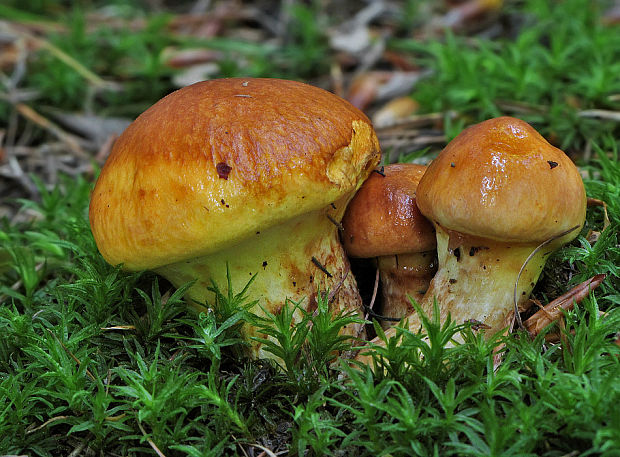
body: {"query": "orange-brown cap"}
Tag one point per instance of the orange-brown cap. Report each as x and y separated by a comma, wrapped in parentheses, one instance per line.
(500, 179)
(217, 161)
(383, 219)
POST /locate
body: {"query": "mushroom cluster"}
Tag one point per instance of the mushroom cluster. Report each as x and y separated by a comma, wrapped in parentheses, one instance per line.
(251, 178)
(501, 199)
(246, 175)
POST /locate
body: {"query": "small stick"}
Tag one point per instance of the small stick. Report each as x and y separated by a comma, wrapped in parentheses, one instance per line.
(91, 77)
(371, 313)
(119, 327)
(601, 114)
(48, 125)
(78, 450)
(553, 310)
(369, 309)
(417, 120)
(265, 450)
(47, 422)
(335, 222)
(240, 446)
(318, 264)
(335, 290)
(150, 441)
(337, 79)
(374, 291)
(372, 302)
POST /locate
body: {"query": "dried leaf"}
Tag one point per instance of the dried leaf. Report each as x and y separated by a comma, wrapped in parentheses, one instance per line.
(466, 14)
(183, 58)
(395, 110)
(375, 86)
(94, 128)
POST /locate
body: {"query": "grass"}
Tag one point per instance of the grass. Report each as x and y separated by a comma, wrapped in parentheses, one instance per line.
(84, 61)
(552, 86)
(100, 361)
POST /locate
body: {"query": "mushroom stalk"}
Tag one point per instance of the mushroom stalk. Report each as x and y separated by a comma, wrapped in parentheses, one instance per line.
(404, 276)
(293, 260)
(476, 279)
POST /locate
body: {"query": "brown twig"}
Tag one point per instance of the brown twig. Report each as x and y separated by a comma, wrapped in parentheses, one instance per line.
(266, 451)
(54, 129)
(79, 448)
(600, 114)
(150, 441)
(240, 446)
(119, 327)
(54, 50)
(553, 311)
(45, 424)
(335, 290)
(335, 222)
(374, 291)
(320, 266)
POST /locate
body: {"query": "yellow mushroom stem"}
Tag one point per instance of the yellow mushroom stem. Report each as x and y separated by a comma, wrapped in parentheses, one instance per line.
(294, 259)
(478, 279)
(404, 276)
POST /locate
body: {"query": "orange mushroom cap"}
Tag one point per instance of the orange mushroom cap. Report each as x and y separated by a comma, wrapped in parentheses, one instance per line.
(383, 218)
(213, 163)
(501, 180)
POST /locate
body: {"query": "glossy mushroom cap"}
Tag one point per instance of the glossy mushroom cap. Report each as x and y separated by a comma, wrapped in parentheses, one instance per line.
(218, 161)
(383, 218)
(501, 180)
(383, 221)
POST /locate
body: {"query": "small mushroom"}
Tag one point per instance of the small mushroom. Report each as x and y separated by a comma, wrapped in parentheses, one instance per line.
(501, 199)
(247, 174)
(383, 222)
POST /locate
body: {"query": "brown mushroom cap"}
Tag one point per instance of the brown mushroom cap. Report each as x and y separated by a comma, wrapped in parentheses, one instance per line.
(215, 162)
(501, 180)
(383, 218)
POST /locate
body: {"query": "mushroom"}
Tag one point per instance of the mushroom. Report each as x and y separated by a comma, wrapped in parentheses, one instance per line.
(246, 175)
(383, 222)
(501, 199)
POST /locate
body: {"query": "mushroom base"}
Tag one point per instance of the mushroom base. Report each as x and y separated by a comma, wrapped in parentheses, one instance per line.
(404, 277)
(476, 280)
(291, 261)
